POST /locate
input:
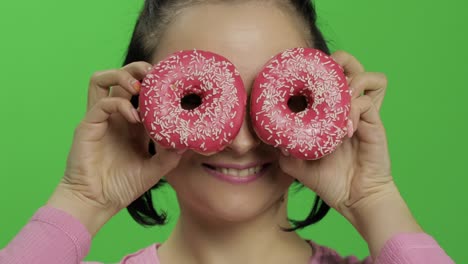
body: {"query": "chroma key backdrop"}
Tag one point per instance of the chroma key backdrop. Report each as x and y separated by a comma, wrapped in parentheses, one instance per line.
(49, 49)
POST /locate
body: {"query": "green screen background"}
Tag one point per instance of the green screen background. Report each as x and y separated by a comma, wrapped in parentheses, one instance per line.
(49, 49)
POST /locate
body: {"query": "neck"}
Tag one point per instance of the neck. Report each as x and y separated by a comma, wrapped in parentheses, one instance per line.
(197, 239)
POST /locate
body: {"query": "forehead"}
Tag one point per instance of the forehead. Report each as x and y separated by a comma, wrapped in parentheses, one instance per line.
(247, 34)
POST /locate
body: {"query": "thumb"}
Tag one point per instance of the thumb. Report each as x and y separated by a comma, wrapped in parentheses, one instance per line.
(306, 172)
(292, 166)
(157, 166)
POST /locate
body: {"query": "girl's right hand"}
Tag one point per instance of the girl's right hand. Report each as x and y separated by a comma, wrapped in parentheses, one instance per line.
(109, 165)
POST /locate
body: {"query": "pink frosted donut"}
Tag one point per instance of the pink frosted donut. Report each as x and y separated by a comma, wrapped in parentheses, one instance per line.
(193, 100)
(311, 76)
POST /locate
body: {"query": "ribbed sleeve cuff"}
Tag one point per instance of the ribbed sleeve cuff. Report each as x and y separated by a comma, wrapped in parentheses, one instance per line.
(69, 225)
(409, 248)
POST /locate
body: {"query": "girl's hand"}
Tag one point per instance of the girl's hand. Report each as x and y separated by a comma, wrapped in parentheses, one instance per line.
(109, 165)
(361, 165)
(356, 179)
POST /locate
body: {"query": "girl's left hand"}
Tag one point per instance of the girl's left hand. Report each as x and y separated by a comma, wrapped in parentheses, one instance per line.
(356, 179)
(360, 167)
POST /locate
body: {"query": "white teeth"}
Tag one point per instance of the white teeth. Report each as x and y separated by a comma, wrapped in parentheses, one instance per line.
(239, 173)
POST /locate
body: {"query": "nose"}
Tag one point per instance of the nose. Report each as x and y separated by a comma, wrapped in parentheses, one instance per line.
(246, 140)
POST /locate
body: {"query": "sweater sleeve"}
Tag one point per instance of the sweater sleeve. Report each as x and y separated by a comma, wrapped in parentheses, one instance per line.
(416, 248)
(51, 236)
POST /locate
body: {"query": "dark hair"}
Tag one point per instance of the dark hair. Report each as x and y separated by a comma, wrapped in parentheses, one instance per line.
(153, 17)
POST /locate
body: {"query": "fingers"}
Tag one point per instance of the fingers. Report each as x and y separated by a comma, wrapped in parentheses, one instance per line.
(103, 109)
(372, 84)
(126, 78)
(350, 64)
(363, 109)
(137, 70)
(367, 88)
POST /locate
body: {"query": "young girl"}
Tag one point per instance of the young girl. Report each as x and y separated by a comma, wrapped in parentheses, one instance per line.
(110, 168)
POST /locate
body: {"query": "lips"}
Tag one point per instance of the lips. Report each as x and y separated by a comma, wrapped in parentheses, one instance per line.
(235, 173)
(239, 173)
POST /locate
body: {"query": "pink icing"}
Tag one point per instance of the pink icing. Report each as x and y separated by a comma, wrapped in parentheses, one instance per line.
(321, 126)
(207, 128)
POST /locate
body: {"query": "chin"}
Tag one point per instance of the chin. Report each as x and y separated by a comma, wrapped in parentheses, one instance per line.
(203, 193)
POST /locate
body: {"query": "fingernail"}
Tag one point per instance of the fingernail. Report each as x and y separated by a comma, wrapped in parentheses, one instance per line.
(149, 69)
(136, 85)
(136, 115)
(350, 128)
(285, 152)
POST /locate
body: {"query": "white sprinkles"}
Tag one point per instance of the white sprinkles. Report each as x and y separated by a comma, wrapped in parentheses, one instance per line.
(210, 126)
(315, 131)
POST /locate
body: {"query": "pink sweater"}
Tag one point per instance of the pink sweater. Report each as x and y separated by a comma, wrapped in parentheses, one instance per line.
(54, 237)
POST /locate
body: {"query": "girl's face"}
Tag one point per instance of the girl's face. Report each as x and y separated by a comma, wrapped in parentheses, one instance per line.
(248, 34)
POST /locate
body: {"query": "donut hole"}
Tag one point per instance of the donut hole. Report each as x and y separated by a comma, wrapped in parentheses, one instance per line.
(190, 101)
(297, 103)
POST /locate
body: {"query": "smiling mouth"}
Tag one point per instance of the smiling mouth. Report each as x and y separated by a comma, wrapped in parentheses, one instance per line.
(238, 173)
